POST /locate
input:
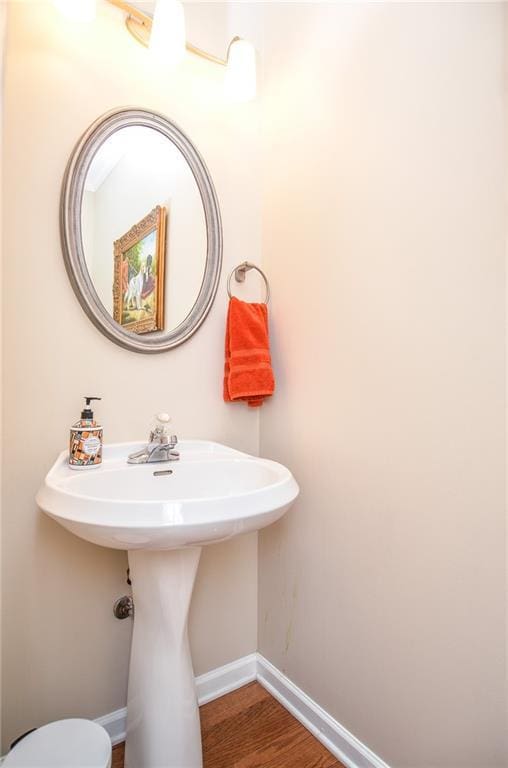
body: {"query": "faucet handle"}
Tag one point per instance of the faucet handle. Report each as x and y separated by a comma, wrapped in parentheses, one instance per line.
(159, 432)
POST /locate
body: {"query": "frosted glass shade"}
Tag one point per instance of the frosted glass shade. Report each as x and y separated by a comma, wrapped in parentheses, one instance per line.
(240, 82)
(167, 39)
(77, 10)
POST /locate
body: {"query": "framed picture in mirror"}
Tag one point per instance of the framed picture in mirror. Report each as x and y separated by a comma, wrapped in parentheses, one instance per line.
(138, 282)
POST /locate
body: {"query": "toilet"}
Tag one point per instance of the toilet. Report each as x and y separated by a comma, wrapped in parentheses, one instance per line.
(63, 744)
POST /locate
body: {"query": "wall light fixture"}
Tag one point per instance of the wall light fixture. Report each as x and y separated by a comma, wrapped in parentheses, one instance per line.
(167, 38)
(164, 34)
(240, 80)
(77, 10)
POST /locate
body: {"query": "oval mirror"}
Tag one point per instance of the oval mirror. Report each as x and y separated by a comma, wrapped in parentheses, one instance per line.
(141, 230)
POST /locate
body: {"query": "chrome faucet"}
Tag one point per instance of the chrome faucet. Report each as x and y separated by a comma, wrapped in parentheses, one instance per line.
(160, 446)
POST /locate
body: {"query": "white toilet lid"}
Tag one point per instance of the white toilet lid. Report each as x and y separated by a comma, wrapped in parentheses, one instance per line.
(63, 744)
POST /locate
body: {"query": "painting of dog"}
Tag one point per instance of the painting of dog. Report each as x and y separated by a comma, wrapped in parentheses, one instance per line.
(138, 282)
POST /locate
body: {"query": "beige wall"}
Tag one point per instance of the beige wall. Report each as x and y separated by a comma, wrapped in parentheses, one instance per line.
(382, 592)
(64, 654)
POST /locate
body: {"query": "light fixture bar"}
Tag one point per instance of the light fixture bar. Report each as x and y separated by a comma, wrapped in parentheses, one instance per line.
(205, 55)
(139, 25)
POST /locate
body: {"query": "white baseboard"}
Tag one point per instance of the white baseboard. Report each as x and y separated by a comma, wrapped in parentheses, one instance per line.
(115, 723)
(337, 739)
(228, 678)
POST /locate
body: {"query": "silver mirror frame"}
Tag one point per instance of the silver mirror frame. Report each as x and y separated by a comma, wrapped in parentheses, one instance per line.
(72, 240)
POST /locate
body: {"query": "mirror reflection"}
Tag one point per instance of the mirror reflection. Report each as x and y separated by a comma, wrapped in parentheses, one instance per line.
(143, 230)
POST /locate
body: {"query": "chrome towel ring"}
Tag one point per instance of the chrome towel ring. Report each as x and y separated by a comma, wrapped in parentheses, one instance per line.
(239, 273)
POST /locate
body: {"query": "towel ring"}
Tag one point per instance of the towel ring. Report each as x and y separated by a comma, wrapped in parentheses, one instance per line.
(239, 273)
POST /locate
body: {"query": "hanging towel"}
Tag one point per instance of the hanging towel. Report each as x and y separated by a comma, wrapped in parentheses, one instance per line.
(248, 374)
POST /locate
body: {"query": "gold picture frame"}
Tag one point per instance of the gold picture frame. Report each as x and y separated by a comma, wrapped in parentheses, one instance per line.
(138, 277)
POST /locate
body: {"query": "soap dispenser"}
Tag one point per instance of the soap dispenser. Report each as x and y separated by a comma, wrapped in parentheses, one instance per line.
(85, 451)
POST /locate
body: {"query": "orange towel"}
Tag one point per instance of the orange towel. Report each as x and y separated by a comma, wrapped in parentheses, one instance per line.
(248, 374)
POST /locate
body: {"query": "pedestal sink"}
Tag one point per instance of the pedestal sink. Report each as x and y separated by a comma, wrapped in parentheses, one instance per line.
(163, 514)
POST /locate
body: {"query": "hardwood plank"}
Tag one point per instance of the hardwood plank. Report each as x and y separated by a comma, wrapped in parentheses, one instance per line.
(298, 749)
(232, 704)
(234, 739)
(118, 756)
(259, 732)
(248, 728)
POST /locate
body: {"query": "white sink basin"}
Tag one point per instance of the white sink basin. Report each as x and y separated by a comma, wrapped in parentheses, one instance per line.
(212, 493)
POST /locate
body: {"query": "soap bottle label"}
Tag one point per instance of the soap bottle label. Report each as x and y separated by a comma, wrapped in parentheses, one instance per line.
(85, 447)
(91, 445)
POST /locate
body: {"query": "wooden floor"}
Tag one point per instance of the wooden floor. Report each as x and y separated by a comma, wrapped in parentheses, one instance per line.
(249, 729)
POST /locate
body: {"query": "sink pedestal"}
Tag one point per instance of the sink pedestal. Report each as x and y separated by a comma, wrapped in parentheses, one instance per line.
(211, 494)
(162, 711)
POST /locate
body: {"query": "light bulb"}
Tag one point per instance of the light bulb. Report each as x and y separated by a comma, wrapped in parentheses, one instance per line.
(77, 10)
(167, 39)
(240, 81)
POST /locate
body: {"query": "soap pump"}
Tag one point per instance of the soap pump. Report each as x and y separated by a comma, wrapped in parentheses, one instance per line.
(85, 451)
